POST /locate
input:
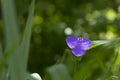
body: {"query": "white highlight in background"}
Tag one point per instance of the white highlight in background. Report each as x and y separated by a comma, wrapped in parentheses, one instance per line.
(68, 31)
(36, 76)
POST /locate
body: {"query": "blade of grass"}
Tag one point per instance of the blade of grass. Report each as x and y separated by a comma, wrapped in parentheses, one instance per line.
(27, 35)
(22, 51)
(9, 53)
(10, 31)
(16, 66)
(10, 22)
(3, 71)
(97, 43)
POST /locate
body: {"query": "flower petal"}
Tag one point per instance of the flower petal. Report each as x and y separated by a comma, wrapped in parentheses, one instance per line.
(85, 43)
(71, 41)
(77, 51)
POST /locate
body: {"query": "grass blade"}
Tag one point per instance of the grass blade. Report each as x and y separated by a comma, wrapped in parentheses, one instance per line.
(10, 31)
(17, 64)
(3, 71)
(10, 22)
(23, 49)
(27, 35)
(97, 43)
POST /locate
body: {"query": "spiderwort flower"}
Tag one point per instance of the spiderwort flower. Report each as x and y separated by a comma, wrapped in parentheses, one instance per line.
(78, 45)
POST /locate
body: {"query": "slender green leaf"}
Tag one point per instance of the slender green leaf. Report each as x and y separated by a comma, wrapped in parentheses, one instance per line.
(2, 73)
(9, 53)
(27, 36)
(10, 30)
(10, 22)
(17, 62)
(23, 49)
(97, 43)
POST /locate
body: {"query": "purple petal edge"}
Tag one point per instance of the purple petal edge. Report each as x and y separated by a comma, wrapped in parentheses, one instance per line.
(85, 43)
(71, 41)
(78, 52)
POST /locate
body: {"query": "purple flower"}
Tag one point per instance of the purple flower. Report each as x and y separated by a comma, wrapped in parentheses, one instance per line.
(78, 45)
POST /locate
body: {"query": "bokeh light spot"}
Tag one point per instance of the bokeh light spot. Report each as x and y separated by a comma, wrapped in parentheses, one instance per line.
(110, 15)
(68, 31)
(38, 19)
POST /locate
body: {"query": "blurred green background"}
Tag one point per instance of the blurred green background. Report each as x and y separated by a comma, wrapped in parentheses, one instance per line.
(56, 19)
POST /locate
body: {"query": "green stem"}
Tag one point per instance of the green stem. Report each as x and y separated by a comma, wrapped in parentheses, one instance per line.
(76, 69)
(110, 68)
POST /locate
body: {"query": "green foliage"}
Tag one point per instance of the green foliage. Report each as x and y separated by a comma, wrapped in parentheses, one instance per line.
(17, 59)
(45, 25)
(58, 72)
